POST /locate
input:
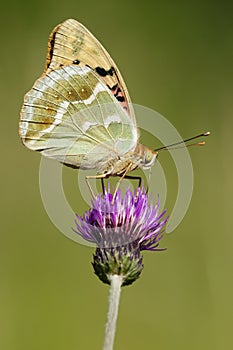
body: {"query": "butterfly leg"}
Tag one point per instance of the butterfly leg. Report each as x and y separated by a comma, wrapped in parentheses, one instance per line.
(120, 180)
(102, 184)
(88, 177)
(135, 178)
(138, 178)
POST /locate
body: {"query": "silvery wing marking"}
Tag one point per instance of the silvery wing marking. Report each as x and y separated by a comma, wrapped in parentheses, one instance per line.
(71, 43)
(72, 116)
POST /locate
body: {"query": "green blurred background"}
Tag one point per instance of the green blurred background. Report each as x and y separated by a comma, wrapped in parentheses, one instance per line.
(176, 57)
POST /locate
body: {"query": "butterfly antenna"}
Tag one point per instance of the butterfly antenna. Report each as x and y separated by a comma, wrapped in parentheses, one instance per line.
(202, 143)
(184, 141)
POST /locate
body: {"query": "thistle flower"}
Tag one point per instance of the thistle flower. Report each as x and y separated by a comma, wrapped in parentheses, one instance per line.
(121, 229)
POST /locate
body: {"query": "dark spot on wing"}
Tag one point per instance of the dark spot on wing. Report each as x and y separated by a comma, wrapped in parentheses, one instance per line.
(111, 71)
(103, 72)
(114, 87)
(76, 62)
(117, 92)
(120, 98)
(35, 122)
(52, 41)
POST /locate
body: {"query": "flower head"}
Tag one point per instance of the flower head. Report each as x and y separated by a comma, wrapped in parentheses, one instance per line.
(121, 229)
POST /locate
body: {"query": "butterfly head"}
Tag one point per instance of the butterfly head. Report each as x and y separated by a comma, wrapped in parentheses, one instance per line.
(149, 158)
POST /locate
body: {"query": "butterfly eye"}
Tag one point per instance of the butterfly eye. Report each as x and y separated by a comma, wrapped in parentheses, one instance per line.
(149, 158)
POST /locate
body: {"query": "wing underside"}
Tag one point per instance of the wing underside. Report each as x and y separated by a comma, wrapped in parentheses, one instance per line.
(71, 43)
(72, 116)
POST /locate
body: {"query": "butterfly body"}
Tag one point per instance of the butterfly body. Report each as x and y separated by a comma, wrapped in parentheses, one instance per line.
(79, 111)
(140, 157)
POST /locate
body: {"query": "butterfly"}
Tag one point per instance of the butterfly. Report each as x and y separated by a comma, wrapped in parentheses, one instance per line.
(79, 111)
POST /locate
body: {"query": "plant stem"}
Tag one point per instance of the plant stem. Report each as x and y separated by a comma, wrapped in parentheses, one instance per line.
(114, 297)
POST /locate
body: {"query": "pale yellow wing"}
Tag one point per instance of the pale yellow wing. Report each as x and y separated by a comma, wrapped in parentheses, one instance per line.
(70, 115)
(71, 43)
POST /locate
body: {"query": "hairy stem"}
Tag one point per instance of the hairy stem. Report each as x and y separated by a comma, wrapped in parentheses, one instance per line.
(114, 298)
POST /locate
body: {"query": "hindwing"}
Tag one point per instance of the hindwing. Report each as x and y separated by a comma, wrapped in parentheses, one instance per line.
(72, 116)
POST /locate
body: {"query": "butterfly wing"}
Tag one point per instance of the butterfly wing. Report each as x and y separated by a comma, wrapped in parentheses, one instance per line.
(71, 115)
(71, 43)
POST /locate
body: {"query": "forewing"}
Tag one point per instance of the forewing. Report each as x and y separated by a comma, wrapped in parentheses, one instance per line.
(71, 43)
(72, 116)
